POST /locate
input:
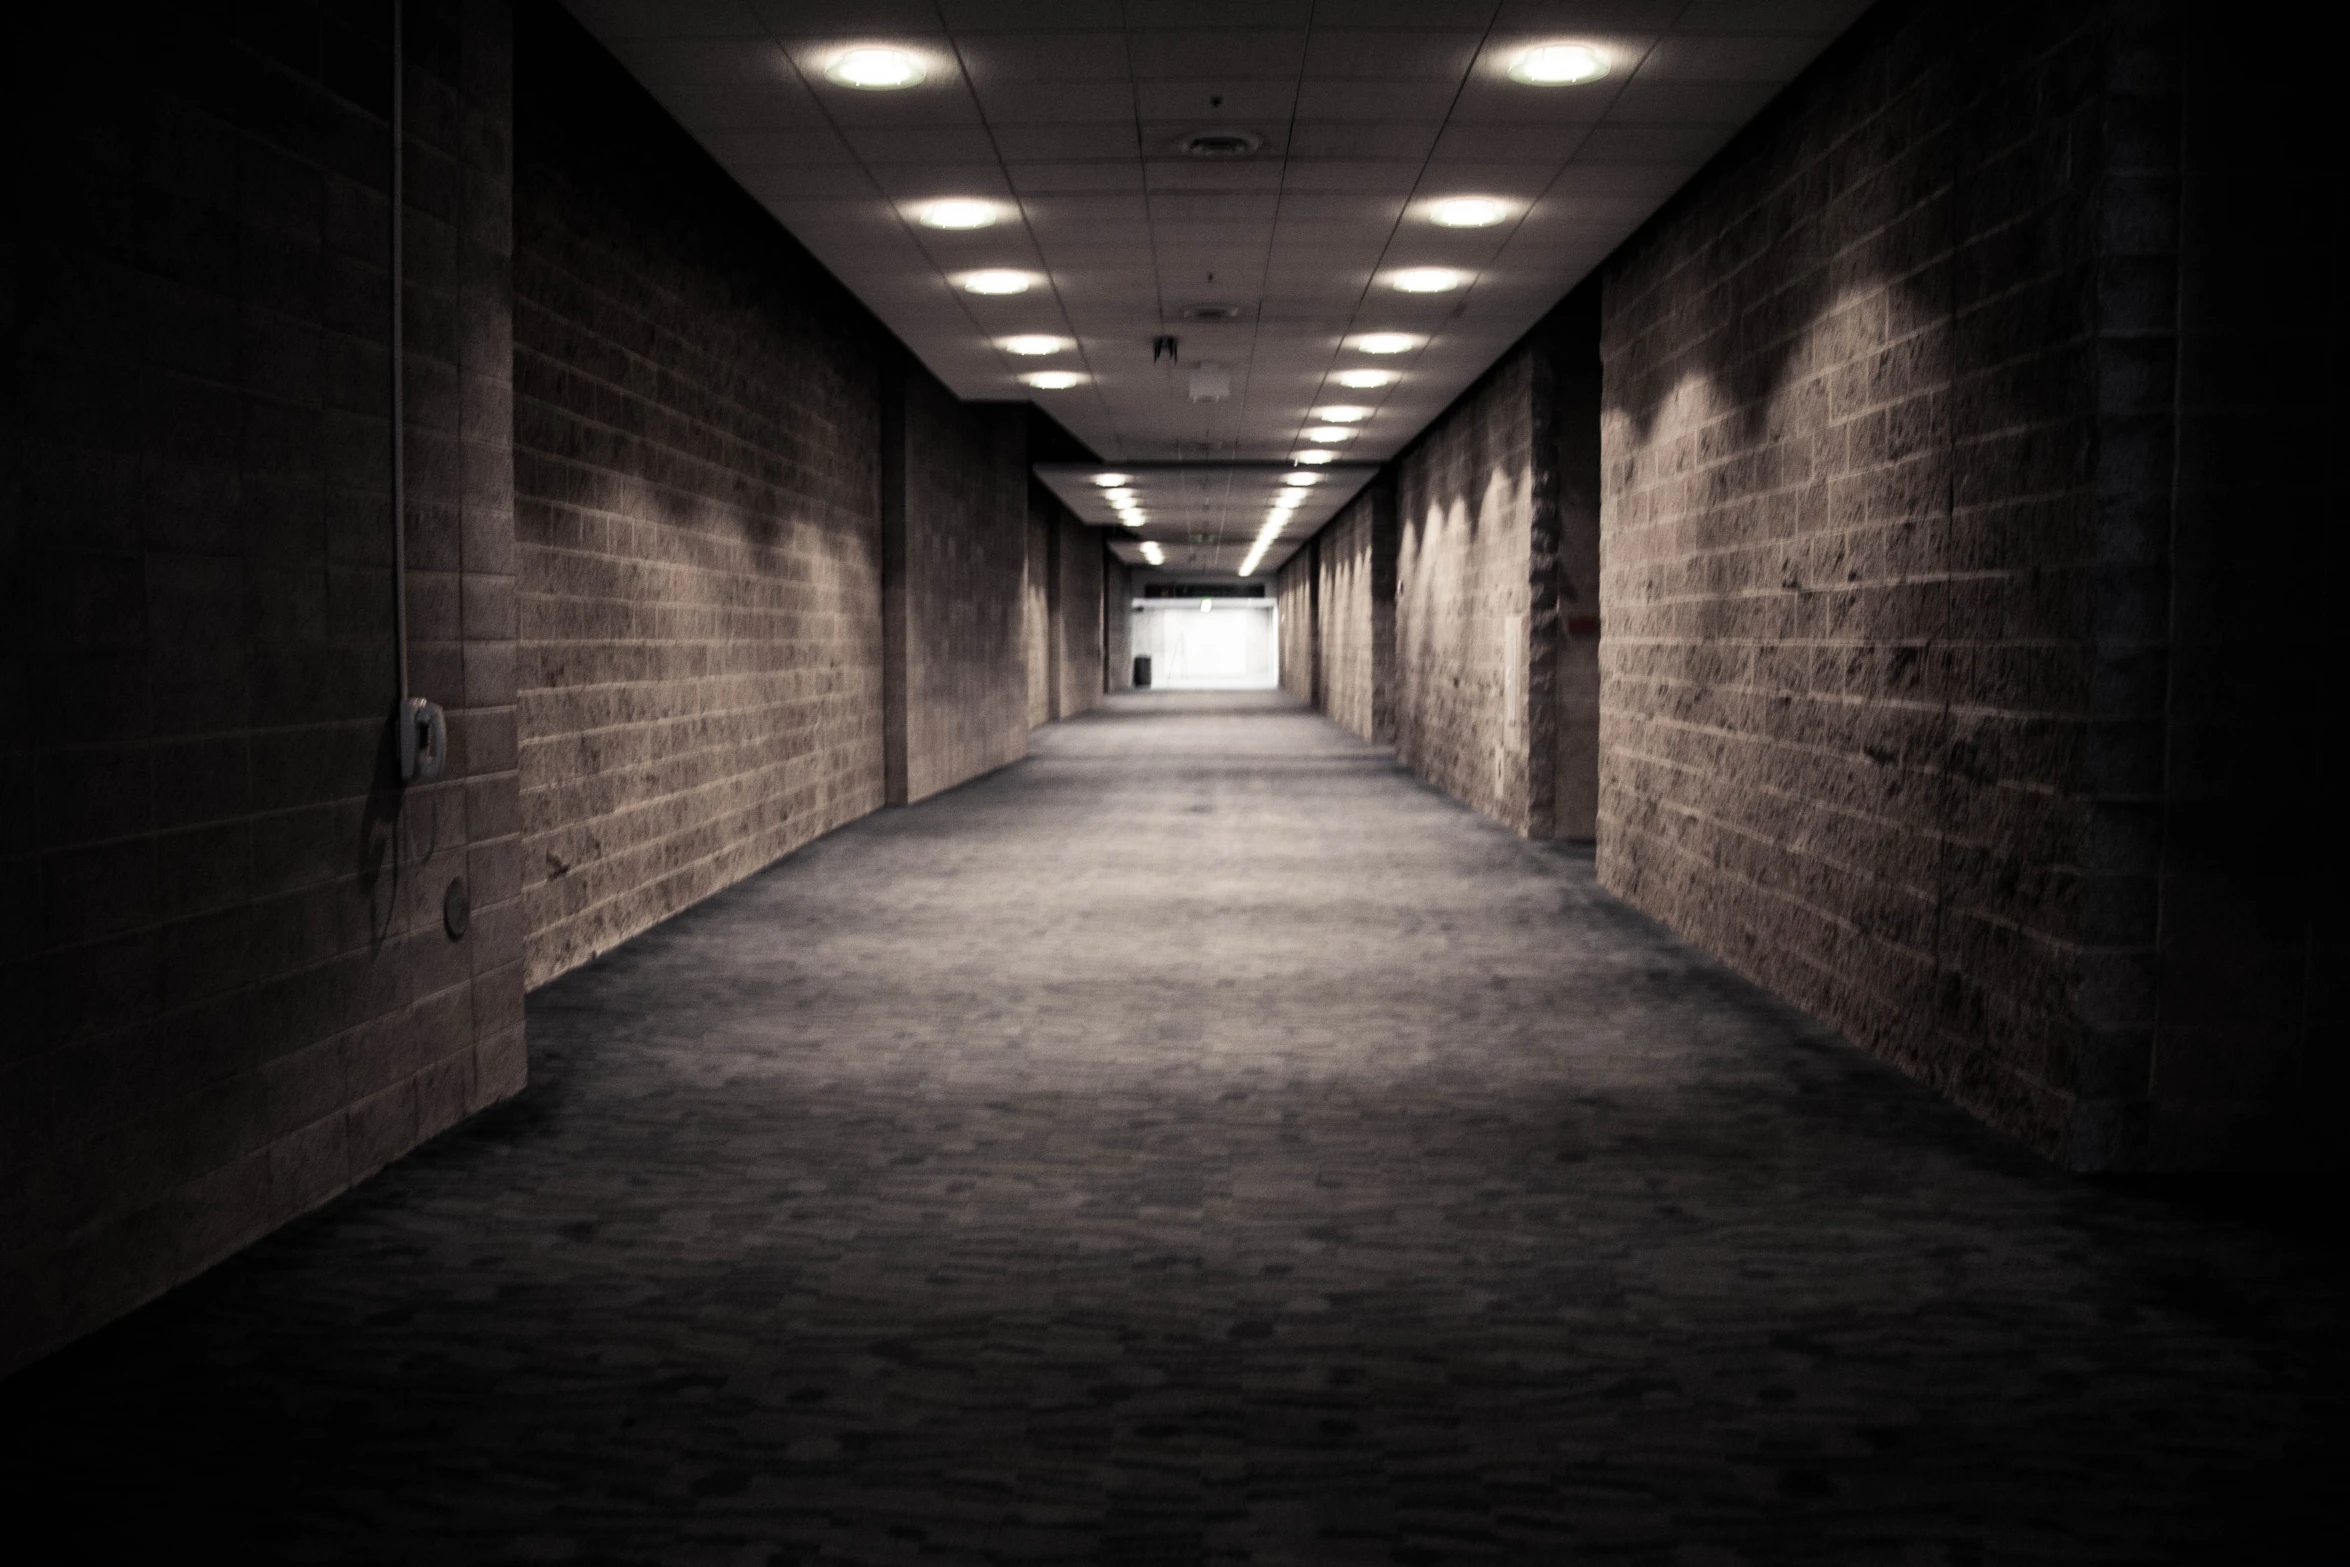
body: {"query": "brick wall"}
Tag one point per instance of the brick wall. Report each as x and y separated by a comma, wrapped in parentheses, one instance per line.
(235, 995)
(1880, 585)
(1355, 624)
(1295, 590)
(1077, 618)
(698, 433)
(1117, 626)
(2247, 1061)
(1036, 595)
(965, 534)
(1571, 337)
(1476, 597)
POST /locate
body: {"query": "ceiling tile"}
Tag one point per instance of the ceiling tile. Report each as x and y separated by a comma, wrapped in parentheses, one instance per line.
(1683, 146)
(1402, 141)
(1057, 103)
(926, 181)
(1049, 143)
(1730, 58)
(1199, 56)
(911, 143)
(1770, 16)
(861, 17)
(1348, 102)
(1193, 105)
(1041, 178)
(1509, 143)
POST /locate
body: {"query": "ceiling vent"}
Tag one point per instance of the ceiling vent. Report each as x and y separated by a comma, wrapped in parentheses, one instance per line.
(1220, 144)
(1211, 312)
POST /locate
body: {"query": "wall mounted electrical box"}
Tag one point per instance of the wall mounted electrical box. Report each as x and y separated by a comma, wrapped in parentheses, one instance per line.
(424, 739)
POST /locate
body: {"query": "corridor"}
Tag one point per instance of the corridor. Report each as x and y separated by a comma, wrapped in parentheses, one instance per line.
(1203, 1141)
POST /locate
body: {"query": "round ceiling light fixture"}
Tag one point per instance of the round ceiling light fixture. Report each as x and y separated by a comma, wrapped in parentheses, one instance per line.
(1118, 494)
(1329, 434)
(1316, 457)
(1364, 380)
(1053, 380)
(1034, 345)
(1111, 481)
(1134, 521)
(1343, 413)
(1558, 65)
(1467, 212)
(1301, 479)
(1220, 144)
(1428, 280)
(1385, 343)
(999, 280)
(874, 70)
(959, 212)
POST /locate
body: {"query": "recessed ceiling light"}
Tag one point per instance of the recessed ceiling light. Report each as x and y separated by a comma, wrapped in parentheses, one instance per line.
(1558, 65)
(1301, 478)
(1343, 413)
(1428, 280)
(1317, 457)
(1111, 481)
(1329, 434)
(1467, 212)
(1119, 494)
(1134, 521)
(1385, 343)
(1152, 553)
(1034, 345)
(959, 212)
(874, 70)
(1364, 380)
(997, 281)
(1053, 380)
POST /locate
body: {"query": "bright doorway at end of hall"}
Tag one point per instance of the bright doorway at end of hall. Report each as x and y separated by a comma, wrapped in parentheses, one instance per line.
(1208, 644)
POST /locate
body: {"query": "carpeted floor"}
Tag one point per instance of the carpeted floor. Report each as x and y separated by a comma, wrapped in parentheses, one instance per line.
(1204, 1143)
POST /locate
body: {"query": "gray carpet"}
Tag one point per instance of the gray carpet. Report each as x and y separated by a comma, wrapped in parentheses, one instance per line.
(1202, 1142)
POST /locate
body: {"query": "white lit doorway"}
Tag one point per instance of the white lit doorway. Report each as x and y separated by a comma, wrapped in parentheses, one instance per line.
(1209, 644)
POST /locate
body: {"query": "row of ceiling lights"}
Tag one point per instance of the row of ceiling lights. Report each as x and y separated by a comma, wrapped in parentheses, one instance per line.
(876, 69)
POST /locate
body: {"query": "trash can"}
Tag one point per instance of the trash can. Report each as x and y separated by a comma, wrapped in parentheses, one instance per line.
(1142, 671)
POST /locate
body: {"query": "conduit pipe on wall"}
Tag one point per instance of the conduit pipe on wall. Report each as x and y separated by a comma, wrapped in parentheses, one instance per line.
(423, 727)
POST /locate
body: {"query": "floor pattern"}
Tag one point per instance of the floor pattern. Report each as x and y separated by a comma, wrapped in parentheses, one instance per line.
(1203, 1143)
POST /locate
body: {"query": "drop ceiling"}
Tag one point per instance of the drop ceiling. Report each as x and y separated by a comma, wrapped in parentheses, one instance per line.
(1071, 118)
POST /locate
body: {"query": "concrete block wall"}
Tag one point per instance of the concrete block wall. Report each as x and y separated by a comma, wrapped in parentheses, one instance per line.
(1077, 619)
(699, 426)
(1476, 598)
(957, 590)
(234, 992)
(1296, 592)
(1038, 581)
(1572, 337)
(1882, 591)
(1354, 638)
(1117, 625)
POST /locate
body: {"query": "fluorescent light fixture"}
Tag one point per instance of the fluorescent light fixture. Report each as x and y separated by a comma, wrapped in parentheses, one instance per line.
(1343, 413)
(1316, 457)
(1558, 65)
(959, 212)
(1364, 380)
(1034, 345)
(1329, 434)
(1426, 280)
(999, 280)
(1386, 343)
(1301, 479)
(1467, 212)
(1112, 481)
(1053, 380)
(874, 70)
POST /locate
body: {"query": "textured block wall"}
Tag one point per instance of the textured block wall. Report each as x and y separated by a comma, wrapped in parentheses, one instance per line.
(1476, 597)
(966, 666)
(1885, 494)
(1117, 626)
(1571, 337)
(697, 426)
(2248, 1058)
(1294, 593)
(1078, 618)
(1037, 584)
(232, 993)
(1355, 624)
